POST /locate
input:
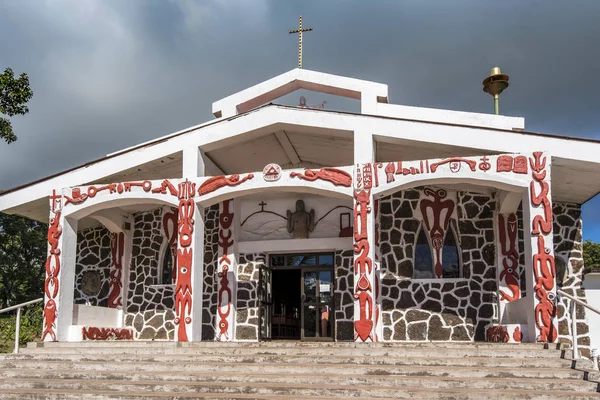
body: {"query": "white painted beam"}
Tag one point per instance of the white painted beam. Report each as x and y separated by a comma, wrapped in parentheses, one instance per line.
(288, 147)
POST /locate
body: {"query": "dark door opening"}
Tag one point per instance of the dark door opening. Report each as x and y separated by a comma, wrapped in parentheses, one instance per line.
(286, 304)
(302, 306)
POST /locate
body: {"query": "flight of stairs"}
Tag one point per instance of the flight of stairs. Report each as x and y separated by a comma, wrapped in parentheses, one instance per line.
(293, 370)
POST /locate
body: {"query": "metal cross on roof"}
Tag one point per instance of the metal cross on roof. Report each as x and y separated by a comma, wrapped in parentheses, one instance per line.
(299, 32)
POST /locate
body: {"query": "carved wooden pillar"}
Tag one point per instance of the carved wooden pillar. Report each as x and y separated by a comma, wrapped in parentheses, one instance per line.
(60, 273)
(190, 251)
(539, 253)
(226, 273)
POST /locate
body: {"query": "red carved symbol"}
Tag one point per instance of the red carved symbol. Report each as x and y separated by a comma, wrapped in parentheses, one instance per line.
(55, 201)
(51, 284)
(543, 223)
(376, 204)
(544, 271)
(436, 215)
(50, 315)
(183, 293)
(359, 179)
(93, 333)
(169, 223)
(224, 301)
(520, 165)
(217, 182)
(116, 273)
(454, 164)
(146, 185)
(377, 166)
(225, 242)
(497, 334)
(187, 189)
(77, 197)
(484, 165)
(367, 176)
(390, 170)
(517, 335)
(363, 265)
(508, 230)
(336, 176)
(186, 222)
(166, 184)
(364, 325)
(504, 163)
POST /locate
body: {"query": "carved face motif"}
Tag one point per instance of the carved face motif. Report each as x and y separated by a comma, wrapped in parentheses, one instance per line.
(91, 283)
(300, 206)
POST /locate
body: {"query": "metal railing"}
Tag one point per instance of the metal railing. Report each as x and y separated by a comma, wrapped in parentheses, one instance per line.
(18, 322)
(574, 302)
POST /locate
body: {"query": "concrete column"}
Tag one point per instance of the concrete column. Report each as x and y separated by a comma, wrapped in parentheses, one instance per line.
(365, 275)
(193, 162)
(507, 260)
(190, 254)
(60, 274)
(542, 324)
(226, 271)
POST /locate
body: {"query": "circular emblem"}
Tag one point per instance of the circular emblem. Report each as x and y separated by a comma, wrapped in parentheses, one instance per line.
(272, 172)
(91, 283)
(454, 166)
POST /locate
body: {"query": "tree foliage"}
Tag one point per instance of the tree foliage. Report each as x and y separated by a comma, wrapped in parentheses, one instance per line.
(14, 95)
(591, 255)
(23, 246)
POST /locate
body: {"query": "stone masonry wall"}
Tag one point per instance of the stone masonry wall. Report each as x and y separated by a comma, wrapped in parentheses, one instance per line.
(247, 322)
(568, 254)
(211, 254)
(149, 307)
(437, 309)
(93, 262)
(344, 295)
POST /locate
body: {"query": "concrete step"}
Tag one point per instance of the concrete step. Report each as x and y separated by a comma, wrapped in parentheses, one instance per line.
(405, 392)
(320, 379)
(490, 370)
(423, 360)
(295, 344)
(216, 349)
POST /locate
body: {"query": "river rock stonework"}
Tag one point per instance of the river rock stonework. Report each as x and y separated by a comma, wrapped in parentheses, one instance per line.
(247, 318)
(150, 306)
(344, 295)
(211, 253)
(93, 261)
(437, 309)
(568, 255)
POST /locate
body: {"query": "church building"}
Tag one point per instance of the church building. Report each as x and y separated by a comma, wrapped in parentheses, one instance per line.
(276, 222)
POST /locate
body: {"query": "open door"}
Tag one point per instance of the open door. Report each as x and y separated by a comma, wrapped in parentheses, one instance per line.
(317, 304)
(265, 299)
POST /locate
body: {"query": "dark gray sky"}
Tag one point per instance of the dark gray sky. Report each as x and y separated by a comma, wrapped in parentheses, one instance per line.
(111, 74)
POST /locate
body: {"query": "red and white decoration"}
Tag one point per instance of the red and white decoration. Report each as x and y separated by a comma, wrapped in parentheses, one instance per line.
(117, 245)
(508, 258)
(272, 172)
(226, 272)
(52, 266)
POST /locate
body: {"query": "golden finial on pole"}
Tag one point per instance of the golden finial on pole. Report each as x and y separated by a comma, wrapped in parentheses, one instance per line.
(494, 85)
(299, 32)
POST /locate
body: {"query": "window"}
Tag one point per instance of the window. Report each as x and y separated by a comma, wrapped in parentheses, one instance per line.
(167, 268)
(424, 267)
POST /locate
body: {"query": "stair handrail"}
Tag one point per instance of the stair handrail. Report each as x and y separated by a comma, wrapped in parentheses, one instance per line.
(574, 302)
(18, 322)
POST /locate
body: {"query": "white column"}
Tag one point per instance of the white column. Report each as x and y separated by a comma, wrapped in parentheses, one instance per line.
(365, 303)
(127, 261)
(193, 162)
(226, 272)
(190, 253)
(540, 269)
(60, 274)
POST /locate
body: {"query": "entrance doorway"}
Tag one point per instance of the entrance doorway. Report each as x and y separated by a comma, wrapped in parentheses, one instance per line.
(298, 302)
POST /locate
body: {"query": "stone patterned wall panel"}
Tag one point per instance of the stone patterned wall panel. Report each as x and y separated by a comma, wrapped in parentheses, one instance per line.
(92, 268)
(344, 295)
(247, 306)
(437, 309)
(568, 253)
(211, 253)
(150, 306)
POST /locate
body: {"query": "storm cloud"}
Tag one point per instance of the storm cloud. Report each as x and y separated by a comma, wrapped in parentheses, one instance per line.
(111, 74)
